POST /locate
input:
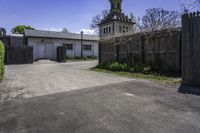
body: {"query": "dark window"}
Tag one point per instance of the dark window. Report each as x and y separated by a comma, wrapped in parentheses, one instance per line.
(68, 46)
(126, 29)
(112, 6)
(123, 29)
(116, 5)
(109, 29)
(87, 47)
(120, 29)
(104, 31)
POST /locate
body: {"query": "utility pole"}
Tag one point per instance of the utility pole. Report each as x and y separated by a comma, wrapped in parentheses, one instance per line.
(81, 44)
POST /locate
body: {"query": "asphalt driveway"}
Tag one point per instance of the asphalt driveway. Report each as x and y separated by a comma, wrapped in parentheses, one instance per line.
(118, 105)
(47, 77)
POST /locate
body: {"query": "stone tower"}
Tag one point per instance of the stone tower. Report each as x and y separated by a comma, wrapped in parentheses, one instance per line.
(116, 23)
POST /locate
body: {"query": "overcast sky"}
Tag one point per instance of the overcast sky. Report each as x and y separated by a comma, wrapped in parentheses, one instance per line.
(75, 15)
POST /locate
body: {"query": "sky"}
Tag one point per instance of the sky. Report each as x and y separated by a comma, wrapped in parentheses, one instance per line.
(75, 15)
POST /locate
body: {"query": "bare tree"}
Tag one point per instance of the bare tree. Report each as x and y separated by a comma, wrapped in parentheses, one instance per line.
(158, 19)
(154, 20)
(97, 20)
(190, 7)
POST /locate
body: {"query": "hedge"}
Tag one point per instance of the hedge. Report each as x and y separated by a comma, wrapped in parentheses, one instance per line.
(137, 68)
(1, 60)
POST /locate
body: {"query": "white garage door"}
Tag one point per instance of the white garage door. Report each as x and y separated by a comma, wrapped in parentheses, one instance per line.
(49, 51)
(45, 51)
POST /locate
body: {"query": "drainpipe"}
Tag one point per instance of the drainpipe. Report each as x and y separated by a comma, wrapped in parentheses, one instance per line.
(81, 44)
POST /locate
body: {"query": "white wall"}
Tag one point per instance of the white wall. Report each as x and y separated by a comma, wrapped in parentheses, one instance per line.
(76, 52)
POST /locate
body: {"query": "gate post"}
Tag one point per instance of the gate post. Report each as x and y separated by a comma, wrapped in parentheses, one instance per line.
(190, 54)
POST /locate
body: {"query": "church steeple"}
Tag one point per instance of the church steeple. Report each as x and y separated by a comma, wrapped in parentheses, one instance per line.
(116, 6)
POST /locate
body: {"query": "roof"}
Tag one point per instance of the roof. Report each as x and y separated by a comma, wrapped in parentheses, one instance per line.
(116, 16)
(16, 35)
(58, 35)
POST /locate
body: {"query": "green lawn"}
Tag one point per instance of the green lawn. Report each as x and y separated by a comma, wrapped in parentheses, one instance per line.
(152, 77)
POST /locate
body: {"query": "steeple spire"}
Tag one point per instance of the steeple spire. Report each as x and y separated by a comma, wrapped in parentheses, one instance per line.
(116, 6)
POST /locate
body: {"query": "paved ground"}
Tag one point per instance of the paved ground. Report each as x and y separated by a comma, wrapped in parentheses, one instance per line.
(45, 77)
(130, 106)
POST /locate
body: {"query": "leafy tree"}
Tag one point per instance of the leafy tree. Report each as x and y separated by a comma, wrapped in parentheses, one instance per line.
(20, 29)
(158, 19)
(65, 30)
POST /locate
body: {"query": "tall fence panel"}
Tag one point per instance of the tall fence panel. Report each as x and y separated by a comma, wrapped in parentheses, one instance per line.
(191, 53)
(161, 48)
(19, 55)
(106, 52)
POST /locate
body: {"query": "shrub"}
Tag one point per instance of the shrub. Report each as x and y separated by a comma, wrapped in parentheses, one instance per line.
(147, 70)
(136, 69)
(1, 60)
(116, 66)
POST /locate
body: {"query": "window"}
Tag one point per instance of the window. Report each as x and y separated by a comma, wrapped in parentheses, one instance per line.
(115, 5)
(109, 30)
(112, 6)
(106, 30)
(123, 29)
(126, 29)
(118, 5)
(68, 46)
(120, 29)
(87, 47)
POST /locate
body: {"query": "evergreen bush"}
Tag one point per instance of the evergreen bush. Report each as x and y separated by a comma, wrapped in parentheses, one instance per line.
(1, 60)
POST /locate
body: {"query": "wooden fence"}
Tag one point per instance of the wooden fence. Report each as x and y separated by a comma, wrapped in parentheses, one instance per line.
(61, 54)
(191, 53)
(16, 52)
(19, 55)
(161, 48)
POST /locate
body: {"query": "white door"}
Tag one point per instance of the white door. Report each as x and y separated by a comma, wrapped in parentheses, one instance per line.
(42, 51)
(49, 51)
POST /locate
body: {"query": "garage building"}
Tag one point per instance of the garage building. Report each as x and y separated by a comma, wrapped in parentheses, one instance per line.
(45, 44)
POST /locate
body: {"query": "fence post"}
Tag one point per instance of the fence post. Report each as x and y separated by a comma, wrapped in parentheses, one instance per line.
(100, 54)
(117, 53)
(142, 49)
